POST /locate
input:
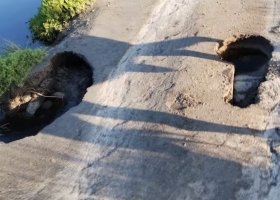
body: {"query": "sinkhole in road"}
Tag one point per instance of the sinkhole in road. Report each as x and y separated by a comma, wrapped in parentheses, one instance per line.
(250, 55)
(61, 88)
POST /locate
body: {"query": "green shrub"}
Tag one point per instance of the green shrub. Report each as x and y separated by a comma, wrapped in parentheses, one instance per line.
(52, 16)
(16, 65)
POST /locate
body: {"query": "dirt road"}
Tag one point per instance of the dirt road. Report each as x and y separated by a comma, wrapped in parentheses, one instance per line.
(155, 125)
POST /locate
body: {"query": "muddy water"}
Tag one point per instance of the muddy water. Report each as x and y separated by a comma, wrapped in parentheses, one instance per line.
(14, 15)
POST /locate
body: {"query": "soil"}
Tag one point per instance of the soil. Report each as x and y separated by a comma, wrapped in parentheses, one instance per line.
(64, 87)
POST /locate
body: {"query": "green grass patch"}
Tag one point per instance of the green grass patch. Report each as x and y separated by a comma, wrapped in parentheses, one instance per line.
(16, 63)
(52, 16)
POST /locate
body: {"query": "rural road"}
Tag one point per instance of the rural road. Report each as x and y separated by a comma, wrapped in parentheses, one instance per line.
(154, 125)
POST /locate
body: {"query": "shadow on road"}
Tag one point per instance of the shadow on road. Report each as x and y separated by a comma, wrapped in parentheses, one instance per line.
(128, 115)
(106, 54)
(155, 161)
(142, 163)
(166, 165)
(114, 50)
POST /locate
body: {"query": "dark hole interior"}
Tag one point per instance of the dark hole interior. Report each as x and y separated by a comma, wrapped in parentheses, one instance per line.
(250, 56)
(70, 76)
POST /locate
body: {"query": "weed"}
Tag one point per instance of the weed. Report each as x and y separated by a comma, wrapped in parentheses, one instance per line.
(52, 16)
(16, 63)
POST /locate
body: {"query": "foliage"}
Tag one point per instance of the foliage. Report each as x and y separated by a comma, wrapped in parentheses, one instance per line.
(52, 16)
(15, 66)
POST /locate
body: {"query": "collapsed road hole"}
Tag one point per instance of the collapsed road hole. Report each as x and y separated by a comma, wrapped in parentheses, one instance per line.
(250, 56)
(62, 88)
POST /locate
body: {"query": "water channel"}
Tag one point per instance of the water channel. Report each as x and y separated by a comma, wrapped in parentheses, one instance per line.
(14, 17)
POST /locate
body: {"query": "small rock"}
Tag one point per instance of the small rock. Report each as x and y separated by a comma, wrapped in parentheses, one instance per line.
(34, 105)
(59, 94)
(47, 105)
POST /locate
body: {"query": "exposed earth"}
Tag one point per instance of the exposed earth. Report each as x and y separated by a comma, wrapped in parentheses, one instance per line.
(47, 94)
(183, 104)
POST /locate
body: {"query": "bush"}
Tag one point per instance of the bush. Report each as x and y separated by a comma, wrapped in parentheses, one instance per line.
(16, 65)
(52, 16)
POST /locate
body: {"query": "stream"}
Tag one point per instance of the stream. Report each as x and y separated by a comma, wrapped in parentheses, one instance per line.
(14, 17)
